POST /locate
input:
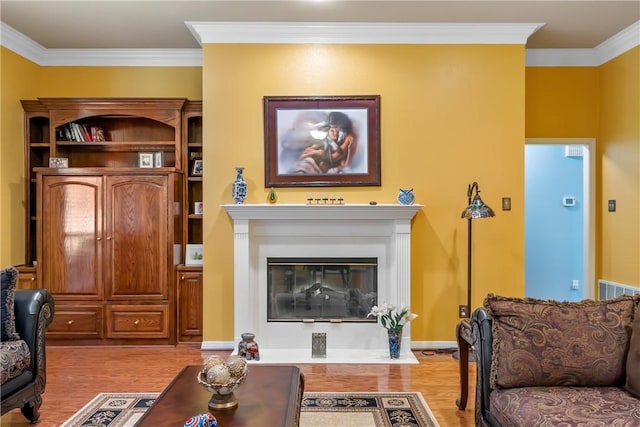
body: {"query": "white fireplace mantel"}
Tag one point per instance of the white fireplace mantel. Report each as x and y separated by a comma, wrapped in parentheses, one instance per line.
(324, 212)
(352, 230)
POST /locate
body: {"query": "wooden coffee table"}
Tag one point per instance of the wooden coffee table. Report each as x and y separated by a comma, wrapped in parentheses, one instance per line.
(270, 396)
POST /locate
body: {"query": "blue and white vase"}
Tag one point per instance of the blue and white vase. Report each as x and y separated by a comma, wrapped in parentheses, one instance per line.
(395, 339)
(406, 197)
(239, 187)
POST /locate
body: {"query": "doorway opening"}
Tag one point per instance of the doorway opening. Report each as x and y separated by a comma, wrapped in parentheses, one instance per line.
(535, 265)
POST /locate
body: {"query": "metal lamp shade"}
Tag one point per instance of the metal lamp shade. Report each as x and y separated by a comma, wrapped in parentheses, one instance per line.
(477, 209)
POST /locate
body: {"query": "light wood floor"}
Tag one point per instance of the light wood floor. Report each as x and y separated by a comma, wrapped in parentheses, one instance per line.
(76, 374)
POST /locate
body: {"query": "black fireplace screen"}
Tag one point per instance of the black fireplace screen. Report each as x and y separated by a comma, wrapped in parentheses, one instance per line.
(321, 289)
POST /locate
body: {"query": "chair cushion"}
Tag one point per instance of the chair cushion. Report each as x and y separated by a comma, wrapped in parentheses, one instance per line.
(8, 278)
(15, 358)
(633, 357)
(565, 406)
(551, 343)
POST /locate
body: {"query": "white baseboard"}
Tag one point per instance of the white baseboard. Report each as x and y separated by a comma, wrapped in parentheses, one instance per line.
(415, 345)
(217, 345)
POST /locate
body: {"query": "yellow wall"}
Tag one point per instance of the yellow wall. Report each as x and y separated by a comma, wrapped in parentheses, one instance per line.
(19, 79)
(561, 102)
(449, 115)
(619, 163)
(601, 102)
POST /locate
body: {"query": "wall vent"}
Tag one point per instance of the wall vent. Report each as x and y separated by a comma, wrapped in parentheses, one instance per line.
(608, 290)
(573, 150)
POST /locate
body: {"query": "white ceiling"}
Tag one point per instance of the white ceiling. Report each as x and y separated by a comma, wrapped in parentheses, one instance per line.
(147, 24)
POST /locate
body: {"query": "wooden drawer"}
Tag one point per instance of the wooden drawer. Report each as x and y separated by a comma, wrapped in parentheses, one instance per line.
(138, 321)
(77, 321)
(27, 278)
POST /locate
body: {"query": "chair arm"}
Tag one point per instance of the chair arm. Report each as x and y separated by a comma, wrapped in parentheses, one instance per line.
(34, 310)
(483, 339)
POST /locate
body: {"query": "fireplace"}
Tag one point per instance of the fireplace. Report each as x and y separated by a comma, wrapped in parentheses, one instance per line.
(344, 237)
(321, 289)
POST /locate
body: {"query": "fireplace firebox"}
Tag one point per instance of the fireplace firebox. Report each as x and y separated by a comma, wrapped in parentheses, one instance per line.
(321, 289)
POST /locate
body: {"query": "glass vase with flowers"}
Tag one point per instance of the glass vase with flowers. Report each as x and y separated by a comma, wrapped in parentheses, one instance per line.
(393, 321)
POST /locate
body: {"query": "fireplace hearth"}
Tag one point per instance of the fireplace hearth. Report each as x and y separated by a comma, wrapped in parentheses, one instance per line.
(348, 237)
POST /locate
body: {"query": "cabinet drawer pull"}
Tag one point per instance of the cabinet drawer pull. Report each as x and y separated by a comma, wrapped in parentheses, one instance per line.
(33, 279)
(108, 237)
(99, 238)
(136, 322)
(181, 278)
(70, 322)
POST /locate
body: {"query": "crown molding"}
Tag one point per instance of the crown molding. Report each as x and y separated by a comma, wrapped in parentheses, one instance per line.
(35, 52)
(561, 58)
(361, 33)
(123, 57)
(21, 44)
(625, 40)
(216, 32)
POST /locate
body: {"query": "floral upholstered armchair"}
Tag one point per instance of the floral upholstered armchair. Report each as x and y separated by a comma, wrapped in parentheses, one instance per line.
(26, 313)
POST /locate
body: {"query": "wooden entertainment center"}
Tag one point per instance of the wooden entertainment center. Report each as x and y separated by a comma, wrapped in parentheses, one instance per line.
(109, 212)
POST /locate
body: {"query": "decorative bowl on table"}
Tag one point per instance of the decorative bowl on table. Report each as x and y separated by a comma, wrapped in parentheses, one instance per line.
(221, 378)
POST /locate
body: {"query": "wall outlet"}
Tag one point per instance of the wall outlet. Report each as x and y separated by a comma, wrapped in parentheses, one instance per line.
(575, 285)
(463, 311)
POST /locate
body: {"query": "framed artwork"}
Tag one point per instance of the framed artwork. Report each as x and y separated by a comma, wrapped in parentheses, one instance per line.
(158, 159)
(198, 208)
(193, 255)
(196, 169)
(322, 141)
(58, 162)
(145, 160)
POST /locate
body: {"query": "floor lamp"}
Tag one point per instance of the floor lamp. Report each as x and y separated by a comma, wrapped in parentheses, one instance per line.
(475, 209)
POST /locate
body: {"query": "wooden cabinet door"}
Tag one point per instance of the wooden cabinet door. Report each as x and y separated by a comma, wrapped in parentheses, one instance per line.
(189, 305)
(70, 229)
(136, 245)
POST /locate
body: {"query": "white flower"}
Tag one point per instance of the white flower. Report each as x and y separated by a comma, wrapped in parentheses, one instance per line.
(390, 318)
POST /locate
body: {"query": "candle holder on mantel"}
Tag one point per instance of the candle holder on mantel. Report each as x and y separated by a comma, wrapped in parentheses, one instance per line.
(325, 199)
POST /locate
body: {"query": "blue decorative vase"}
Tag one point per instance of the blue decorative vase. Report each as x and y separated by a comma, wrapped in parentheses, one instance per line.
(239, 187)
(395, 339)
(406, 197)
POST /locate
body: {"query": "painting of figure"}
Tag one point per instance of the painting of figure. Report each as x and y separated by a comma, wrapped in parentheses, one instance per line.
(322, 146)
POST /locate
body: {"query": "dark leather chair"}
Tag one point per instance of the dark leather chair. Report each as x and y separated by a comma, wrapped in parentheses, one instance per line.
(34, 310)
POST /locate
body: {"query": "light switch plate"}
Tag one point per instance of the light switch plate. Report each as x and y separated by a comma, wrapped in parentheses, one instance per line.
(506, 203)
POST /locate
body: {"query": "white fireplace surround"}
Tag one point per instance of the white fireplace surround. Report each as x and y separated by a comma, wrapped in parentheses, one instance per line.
(292, 230)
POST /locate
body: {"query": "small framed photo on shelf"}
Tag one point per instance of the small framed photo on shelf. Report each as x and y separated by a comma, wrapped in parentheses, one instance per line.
(198, 208)
(158, 159)
(58, 162)
(193, 255)
(196, 170)
(145, 160)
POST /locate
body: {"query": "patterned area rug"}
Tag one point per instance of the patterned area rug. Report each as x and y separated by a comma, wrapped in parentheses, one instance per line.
(365, 410)
(318, 410)
(112, 410)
